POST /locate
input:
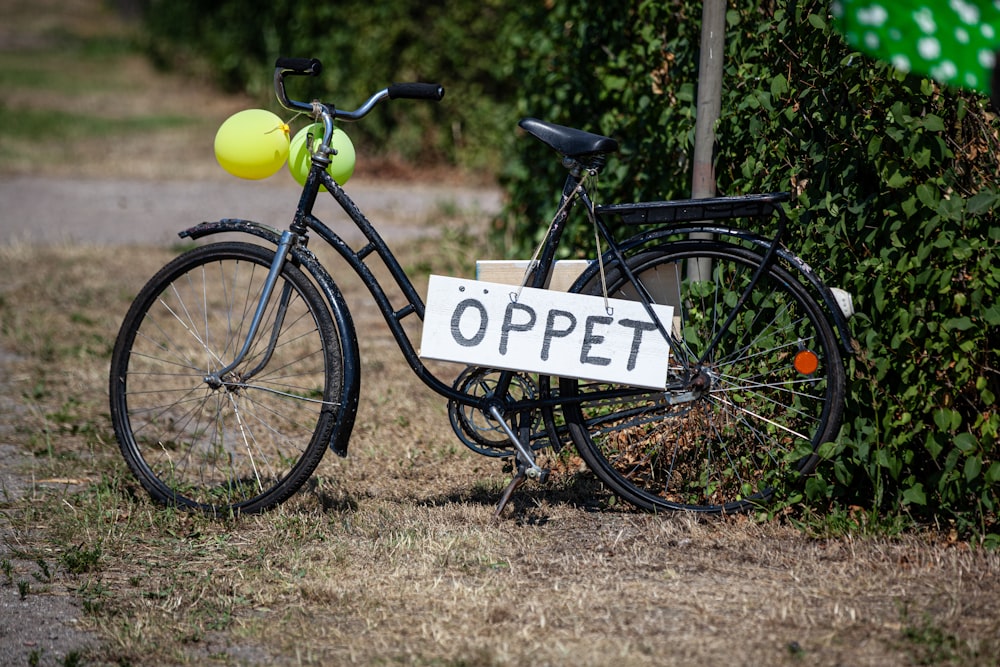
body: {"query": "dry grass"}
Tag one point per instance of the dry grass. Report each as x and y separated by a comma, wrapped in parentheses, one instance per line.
(391, 556)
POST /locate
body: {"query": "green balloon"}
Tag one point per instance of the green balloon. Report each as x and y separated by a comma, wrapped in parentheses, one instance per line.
(300, 154)
(953, 42)
(252, 144)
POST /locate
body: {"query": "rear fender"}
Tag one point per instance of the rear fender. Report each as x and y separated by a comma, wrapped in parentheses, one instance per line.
(805, 272)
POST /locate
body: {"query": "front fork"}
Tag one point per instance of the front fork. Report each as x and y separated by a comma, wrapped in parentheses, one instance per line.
(216, 379)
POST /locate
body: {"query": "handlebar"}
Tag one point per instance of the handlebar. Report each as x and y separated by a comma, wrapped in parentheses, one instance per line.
(312, 67)
(416, 91)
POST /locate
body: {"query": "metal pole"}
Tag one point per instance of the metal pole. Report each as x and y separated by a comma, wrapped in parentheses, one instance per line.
(713, 36)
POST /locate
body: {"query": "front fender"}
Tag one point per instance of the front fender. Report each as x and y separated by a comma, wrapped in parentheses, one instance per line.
(231, 225)
(347, 407)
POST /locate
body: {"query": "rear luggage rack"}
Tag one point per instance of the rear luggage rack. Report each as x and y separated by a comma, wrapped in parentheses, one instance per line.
(692, 210)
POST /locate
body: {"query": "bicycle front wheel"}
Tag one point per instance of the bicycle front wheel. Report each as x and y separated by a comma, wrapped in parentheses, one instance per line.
(248, 440)
(738, 419)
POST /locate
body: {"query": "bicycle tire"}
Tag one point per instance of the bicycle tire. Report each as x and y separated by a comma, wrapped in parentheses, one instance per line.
(249, 444)
(725, 449)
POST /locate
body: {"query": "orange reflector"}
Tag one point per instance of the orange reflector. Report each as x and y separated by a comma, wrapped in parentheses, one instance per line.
(806, 362)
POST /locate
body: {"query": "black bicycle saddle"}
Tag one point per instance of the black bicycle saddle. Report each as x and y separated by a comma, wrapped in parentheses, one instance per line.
(567, 140)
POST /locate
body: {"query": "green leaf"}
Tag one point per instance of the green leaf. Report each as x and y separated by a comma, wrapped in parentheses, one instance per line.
(943, 419)
(982, 202)
(874, 147)
(973, 466)
(958, 324)
(933, 123)
(922, 158)
(817, 21)
(615, 82)
(890, 462)
(992, 475)
(779, 86)
(932, 446)
(929, 195)
(915, 495)
(816, 488)
(898, 179)
(992, 315)
(966, 442)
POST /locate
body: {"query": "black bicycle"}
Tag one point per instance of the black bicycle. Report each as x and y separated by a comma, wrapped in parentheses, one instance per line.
(237, 365)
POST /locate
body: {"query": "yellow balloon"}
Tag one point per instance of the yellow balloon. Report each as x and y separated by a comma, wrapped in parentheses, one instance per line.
(300, 154)
(252, 144)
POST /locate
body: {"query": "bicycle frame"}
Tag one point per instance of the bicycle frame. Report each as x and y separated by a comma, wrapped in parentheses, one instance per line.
(678, 214)
(294, 241)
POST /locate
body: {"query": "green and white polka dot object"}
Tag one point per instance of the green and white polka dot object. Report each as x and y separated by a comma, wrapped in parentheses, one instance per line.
(954, 42)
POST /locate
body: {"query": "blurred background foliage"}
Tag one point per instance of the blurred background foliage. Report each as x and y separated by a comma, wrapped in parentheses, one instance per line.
(894, 180)
(364, 46)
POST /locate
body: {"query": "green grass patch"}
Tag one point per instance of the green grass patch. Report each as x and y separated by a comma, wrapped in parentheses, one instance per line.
(44, 126)
(55, 73)
(68, 93)
(66, 71)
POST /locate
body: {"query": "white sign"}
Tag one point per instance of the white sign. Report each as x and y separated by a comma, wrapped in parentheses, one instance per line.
(544, 331)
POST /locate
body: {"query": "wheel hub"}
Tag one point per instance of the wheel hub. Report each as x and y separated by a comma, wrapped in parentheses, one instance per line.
(701, 382)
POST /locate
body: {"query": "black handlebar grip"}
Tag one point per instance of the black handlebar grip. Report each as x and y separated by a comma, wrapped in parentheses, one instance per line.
(416, 91)
(304, 66)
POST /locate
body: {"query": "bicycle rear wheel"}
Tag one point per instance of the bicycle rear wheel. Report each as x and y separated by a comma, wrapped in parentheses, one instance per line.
(244, 444)
(736, 421)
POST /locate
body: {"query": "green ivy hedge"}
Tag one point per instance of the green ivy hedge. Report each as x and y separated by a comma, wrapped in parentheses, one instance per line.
(898, 205)
(896, 202)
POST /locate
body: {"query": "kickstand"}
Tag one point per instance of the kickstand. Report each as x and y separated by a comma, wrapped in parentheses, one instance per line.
(522, 474)
(525, 465)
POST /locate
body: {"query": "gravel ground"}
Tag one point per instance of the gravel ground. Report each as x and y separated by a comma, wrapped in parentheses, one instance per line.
(129, 212)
